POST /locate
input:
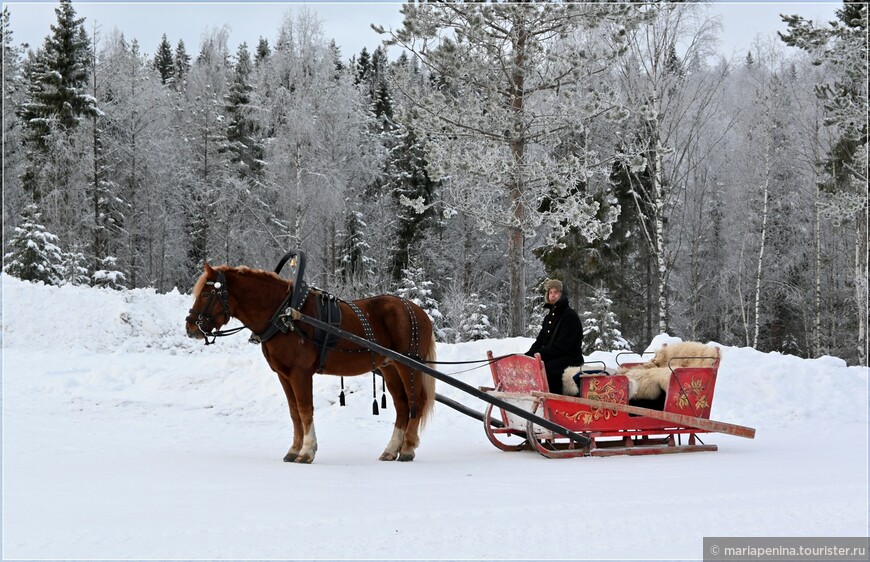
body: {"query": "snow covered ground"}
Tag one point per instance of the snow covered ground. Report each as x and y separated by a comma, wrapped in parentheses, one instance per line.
(123, 439)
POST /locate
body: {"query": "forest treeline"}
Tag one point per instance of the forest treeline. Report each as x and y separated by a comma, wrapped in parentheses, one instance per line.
(499, 144)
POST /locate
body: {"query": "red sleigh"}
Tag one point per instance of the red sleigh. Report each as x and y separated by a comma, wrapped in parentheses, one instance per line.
(603, 414)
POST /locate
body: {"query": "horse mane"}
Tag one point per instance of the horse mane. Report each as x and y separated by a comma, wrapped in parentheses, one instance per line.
(248, 271)
(241, 270)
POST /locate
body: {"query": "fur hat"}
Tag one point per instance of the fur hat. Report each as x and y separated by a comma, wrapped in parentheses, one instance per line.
(552, 284)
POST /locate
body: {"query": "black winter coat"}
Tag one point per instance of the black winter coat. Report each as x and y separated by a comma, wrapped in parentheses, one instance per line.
(567, 343)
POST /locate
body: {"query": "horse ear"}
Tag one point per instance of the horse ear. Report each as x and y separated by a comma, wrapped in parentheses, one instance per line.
(208, 269)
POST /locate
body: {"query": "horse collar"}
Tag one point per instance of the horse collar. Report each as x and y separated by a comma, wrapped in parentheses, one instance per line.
(281, 320)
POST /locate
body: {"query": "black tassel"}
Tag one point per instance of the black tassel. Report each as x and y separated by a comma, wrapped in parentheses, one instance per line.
(383, 393)
(384, 401)
(374, 394)
(341, 401)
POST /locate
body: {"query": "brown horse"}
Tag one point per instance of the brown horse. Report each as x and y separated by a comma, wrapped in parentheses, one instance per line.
(253, 296)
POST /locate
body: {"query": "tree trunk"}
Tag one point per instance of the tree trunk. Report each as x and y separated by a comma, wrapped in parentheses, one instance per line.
(661, 265)
(516, 238)
(861, 285)
(760, 264)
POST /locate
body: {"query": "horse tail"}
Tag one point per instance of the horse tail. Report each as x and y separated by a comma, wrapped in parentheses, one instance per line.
(428, 384)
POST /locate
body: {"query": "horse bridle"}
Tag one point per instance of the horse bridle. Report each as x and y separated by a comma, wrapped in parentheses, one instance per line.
(203, 319)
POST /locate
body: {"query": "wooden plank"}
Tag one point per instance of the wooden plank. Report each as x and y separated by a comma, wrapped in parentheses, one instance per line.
(680, 419)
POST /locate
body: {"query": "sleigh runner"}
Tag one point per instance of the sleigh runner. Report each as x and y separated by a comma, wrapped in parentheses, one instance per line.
(602, 412)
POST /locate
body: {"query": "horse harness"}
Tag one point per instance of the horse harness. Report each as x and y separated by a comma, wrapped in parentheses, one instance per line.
(328, 310)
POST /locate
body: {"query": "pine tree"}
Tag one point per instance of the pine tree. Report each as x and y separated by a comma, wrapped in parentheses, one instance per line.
(413, 193)
(354, 265)
(67, 59)
(264, 51)
(109, 276)
(245, 149)
(474, 323)
(73, 268)
(56, 98)
(363, 69)
(418, 290)
(600, 326)
(34, 255)
(164, 62)
(181, 63)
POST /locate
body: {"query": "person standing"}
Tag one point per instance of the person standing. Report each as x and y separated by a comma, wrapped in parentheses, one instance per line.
(560, 341)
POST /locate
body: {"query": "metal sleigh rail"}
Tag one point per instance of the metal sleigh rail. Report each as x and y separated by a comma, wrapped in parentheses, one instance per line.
(581, 440)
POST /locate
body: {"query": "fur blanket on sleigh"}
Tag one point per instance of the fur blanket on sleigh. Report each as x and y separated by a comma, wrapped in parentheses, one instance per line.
(649, 380)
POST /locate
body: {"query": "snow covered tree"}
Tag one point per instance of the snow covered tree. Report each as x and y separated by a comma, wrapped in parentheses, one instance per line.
(354, 264)
(164, 62)
(56, 98)
(34, 255)
(108, 276)
(242, 129)
(600, 326)
(511, 79)
(672, 101)
(181, 66)
(74, 267)
(474, 324)
(13, 88)
(417, 289)
(842, 45)
(263, 52)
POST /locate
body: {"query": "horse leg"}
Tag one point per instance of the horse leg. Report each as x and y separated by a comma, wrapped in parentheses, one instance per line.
(293, 452)
(302, 390)
(417, 393)
(400, 403)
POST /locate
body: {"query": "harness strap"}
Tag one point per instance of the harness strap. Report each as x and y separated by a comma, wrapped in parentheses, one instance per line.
(413, 351)
(326, 306)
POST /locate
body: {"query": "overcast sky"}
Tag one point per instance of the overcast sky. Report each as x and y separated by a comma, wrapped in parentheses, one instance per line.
(346, 22)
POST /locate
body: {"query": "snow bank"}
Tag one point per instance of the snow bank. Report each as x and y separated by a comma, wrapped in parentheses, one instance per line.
(752, 387)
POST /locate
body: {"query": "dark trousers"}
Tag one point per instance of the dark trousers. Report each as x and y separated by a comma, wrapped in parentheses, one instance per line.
(555, 368)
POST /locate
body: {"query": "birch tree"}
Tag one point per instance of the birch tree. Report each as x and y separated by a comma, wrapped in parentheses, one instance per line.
(672, 94)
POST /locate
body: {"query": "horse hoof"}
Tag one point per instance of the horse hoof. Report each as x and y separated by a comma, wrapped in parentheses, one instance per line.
(406, 457)
(388, 457)
(290, 456)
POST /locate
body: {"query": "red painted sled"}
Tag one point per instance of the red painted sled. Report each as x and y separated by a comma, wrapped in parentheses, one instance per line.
(602, 412)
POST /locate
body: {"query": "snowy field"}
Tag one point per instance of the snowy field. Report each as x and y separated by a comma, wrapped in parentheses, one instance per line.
(123, 439)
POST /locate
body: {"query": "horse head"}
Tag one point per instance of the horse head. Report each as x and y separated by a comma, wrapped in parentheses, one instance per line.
(211, 308)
